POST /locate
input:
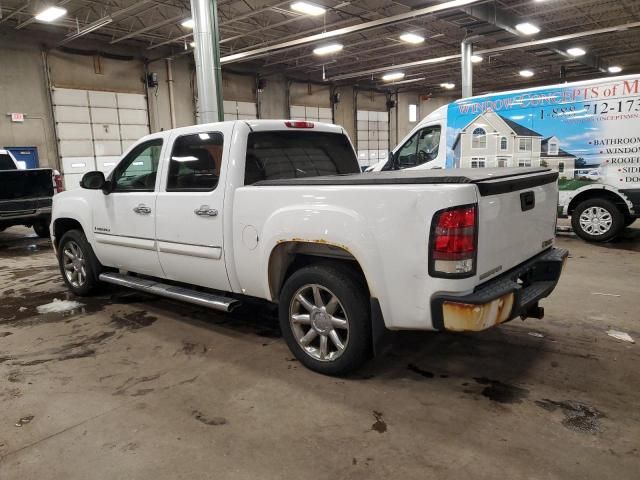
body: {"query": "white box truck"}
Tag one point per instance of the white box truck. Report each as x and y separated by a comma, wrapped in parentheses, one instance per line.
(588, 131)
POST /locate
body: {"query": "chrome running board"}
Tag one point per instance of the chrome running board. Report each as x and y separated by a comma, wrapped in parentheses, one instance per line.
(195, 297)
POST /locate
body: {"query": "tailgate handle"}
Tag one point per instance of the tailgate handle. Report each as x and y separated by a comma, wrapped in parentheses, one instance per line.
(527, 201)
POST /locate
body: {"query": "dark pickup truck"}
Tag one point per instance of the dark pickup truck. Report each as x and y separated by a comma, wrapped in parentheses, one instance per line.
(25, 195)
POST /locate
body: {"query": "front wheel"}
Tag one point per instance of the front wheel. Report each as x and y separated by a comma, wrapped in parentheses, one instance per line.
(78, 264)
(597, 220)
(325, 319)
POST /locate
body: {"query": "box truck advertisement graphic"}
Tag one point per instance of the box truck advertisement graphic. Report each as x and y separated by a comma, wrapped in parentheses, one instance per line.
(587, 131)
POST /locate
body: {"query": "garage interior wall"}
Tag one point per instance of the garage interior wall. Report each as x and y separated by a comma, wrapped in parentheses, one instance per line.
(23, 90)
(183, 85)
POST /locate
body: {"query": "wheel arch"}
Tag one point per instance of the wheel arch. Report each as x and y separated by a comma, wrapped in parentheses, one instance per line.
(62, 226)
(621, 203)
(287, 257)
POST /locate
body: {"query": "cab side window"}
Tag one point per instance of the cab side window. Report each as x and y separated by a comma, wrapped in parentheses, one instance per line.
(195, 163)
(137, 171)
(421, 148)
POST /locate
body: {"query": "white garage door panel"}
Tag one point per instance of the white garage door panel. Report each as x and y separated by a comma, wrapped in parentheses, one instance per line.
(105, 131)
(102, 99)
(297, 111)
(133, 132)
(78, 164)
(72, 180)
(132, 117)
(68, 97)
(93, 128)
(132, 100)
(104, 115)
(230, 116)
(106, 164)
(247, 108)
(107, 148)
(126, 144)
(66, 114)
(74, 131)
(76, 148)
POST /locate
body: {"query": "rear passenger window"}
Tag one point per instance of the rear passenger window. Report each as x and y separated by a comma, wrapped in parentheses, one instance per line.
(295, 154)
(195, 163)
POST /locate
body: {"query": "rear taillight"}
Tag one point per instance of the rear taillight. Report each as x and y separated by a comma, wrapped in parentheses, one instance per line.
(453, 244)
(298, 124)
(57, 180)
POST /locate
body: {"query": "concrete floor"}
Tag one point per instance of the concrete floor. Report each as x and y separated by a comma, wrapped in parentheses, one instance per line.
(130, 386)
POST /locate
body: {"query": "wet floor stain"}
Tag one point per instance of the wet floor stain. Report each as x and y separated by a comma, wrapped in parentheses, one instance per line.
(211, 421)
(379, 425)
(191, 348)
(25, 246)
(501, 392)
(419, 371)
(5, 334)
(24, 420)
(579, 417)
(134, 382)
(133, 320)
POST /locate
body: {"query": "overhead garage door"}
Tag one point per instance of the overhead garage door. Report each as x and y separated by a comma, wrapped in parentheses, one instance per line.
(373, 137)
(239, 110)
(318, 114)
(95, 128)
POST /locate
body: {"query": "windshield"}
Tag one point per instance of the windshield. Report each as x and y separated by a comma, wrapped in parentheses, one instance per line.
(297, 154)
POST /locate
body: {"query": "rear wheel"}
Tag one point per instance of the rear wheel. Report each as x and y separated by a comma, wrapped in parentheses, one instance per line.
(42, 229)
(78, 264)
(325, 319)
(597, 220)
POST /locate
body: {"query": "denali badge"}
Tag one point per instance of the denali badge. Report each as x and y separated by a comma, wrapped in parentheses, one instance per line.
(101, 229)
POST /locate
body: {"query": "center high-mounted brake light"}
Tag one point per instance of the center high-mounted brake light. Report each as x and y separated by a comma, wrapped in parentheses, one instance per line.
(299, 124)
(453, 242)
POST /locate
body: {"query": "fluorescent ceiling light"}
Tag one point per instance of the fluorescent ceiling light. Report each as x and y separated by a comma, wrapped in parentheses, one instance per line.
(476, 58)
(188, 23)
(327, 49)
(192, 44)
(527, 28)
(307, 8)
(50, 14)
(389, 77)
(614, 69)
(411, 38)
(448, 85)
(576, 51)
(526, 73)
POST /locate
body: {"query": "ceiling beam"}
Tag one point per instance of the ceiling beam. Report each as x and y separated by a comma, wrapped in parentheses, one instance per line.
(261, 52)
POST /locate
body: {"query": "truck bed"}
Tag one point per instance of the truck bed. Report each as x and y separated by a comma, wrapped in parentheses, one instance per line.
(490, 181)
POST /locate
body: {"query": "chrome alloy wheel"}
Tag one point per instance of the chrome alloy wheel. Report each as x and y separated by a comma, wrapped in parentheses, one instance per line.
(319, 322)
(74, 264)
(596, 221)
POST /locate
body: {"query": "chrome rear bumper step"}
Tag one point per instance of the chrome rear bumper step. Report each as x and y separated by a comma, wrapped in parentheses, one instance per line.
(204, 299)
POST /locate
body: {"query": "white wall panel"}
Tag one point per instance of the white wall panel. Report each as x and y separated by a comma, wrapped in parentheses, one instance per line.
(75, 148)
(69, 97)
(105, 131)
(104, 115)
(132, 100)
(107, 147)
(133, 132)
(102, 99)
(70, 114)
(132, 117)
(74, 131)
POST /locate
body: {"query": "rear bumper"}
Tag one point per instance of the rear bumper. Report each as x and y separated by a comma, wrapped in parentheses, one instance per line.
(25, 217)
(513, 294)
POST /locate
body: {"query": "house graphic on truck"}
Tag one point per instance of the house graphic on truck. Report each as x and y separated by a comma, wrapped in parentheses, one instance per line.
(491, 140)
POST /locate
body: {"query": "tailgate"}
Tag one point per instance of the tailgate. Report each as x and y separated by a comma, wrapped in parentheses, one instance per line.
(26, 184)
(517, 220)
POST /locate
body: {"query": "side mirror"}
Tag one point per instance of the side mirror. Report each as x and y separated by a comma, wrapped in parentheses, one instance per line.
(93, 181)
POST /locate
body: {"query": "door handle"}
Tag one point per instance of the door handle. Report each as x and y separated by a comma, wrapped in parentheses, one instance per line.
(205, 211)
(142, 209)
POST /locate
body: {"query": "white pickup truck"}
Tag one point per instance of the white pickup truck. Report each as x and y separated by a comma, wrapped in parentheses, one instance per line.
(276, 209)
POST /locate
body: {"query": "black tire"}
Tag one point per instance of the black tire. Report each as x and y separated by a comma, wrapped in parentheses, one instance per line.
(41, 229)
(348, 286)
(91, 263)
(617, 220)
